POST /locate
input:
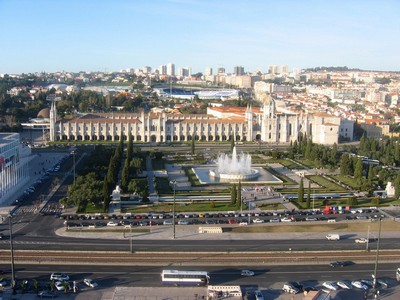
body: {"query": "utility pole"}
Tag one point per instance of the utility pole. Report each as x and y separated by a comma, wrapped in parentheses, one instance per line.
(376, 260)
(173, 208)
(12, 252)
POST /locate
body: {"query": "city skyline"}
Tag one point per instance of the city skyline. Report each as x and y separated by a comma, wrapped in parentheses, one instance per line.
(90, 35)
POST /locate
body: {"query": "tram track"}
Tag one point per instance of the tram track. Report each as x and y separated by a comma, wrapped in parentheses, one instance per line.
(193, 258)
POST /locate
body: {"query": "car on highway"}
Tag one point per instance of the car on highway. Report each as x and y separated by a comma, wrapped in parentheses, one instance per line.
(330, 285)
(361, 241)
(340, 263)
(59, 277)
(358, 284)
(90, 282)
(247, 273)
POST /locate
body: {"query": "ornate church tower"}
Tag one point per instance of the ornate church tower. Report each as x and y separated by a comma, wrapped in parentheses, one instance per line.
(53, 120)
(269, 120)
(249, 123)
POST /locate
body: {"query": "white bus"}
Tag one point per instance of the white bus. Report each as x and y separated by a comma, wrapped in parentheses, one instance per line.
(175, 277)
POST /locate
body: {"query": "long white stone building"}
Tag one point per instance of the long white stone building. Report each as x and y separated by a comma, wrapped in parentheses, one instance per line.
(267, 124)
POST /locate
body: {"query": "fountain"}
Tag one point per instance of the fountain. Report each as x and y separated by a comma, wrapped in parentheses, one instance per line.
(234, 168)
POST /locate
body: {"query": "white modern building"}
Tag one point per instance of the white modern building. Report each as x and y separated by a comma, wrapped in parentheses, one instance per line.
(14, 166)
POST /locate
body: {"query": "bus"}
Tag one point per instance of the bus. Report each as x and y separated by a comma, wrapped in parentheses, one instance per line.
(175, 277)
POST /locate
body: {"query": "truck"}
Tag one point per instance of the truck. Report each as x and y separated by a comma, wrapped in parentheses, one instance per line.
(333, 237)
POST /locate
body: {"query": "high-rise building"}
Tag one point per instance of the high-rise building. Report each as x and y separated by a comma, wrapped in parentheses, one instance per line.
(184, 72)
(221, 70)
(162, 70)
(146, 69)
(171, 69)
(238, 70)
(208, 71)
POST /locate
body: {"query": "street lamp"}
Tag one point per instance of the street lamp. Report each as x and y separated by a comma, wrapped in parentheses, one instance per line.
(173, 182)
(12, 253)
(377, 257)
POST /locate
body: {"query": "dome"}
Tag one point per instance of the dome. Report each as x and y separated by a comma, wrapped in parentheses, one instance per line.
(44, 113)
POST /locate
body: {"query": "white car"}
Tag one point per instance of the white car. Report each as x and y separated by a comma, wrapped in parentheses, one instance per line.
(330, 285)
(361, 241)
(90, 282)
(112, 223)
(258, 221)
(344, 285)
(59, 285)
(247, 273)
(286, 220)
(359, 285)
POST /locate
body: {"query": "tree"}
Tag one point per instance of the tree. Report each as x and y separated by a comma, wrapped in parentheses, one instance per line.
(308, 202)
(397, 187)
(345, 165)
(358, 171)
(233, 194)
(239, 195)
(300, 193)
(352, 201)
(192, 148)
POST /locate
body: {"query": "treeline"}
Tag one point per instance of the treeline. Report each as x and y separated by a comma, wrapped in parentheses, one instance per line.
(100, 175)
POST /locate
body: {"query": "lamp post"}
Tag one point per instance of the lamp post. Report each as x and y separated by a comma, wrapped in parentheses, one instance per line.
(173, 208)
(377, 258)
(12, 253)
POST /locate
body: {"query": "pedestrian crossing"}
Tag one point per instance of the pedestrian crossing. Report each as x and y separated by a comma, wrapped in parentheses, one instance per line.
(35, 210)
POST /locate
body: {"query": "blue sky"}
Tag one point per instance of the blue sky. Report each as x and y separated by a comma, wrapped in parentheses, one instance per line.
(99, 35)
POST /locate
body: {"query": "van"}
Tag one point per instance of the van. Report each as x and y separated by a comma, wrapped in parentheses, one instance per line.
(333, 237)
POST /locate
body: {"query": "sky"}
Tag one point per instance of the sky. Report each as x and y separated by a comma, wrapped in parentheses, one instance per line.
(100, 35)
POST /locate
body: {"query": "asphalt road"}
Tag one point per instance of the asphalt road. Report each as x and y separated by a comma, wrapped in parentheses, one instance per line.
(109, 276)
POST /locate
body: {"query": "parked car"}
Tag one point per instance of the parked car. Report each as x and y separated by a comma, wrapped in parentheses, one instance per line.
(330, 285)
(112, 223)
(247, 273)
(288, 288)
(344, 284)
(183, 222)
(90, 282)
(4, 283)
(358, 284)
(286, 220)
(258, 221)
(46, 294)
(258, 295)
(59, 285)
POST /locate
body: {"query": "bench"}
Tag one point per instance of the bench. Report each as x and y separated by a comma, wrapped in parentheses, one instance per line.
(210, 229)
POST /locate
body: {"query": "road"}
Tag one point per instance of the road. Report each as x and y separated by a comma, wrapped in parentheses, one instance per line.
(109, 276)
